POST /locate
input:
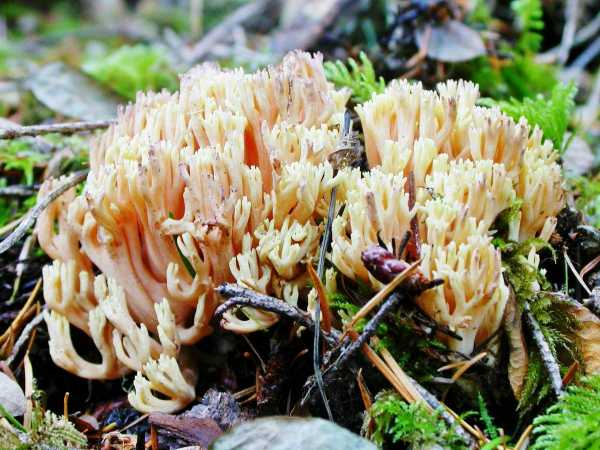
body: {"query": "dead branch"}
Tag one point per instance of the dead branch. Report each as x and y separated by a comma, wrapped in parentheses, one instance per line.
(30, 218)
(587, 55)
(568, 34)
(221, 31)
(593, 303)
(22, 264)
(17, 191)
(448, 418)
(24, 337)
(61, 128)
(389, 305)
(548, 359)
(240, 296)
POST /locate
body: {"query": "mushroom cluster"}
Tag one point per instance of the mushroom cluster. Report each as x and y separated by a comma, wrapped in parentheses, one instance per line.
(229, 180)
(226, 180)
(469, 164)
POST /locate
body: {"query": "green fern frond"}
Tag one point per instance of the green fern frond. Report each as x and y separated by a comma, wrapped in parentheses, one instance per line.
(551, 115)
(360, 79)
(490, 429)
(536, 386)
(572, 423)
(529, 17)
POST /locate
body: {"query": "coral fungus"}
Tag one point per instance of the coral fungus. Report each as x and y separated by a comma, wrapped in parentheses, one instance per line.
(229, 180)
(469, 164)
(224, 180)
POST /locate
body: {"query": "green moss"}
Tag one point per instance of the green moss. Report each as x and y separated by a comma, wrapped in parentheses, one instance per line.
(397, 422)
(552, 314)
(130, 69)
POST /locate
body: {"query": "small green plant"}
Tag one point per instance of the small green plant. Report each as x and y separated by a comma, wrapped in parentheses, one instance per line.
(398, 422)
(490, 429)
(130, 69)
(588, 200)
(557, 324)
(517, 75)
(19, 156)
(571, 423)
(360, 79)
(46, 431)
(528, 14)
(552, 114)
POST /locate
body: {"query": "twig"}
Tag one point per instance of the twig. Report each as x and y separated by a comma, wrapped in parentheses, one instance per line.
(30, 218)
(575, 273)
(414, 223)
(317, 312)
(344, 137)
(412, 392)
(29, 388)
(404, 387)
(11, 225)
(17, 191)
(244, 392)
(587, 55)
(370, 329)
(263, 366)
(62, 128)
(593, 303)
(592, 264)
(568, 34)
(135, 422)
(524, 439)
(22, 264)
(221, 31)
(586, 32)
(322, 298)
(27, 330)
(463, 366)
(381, 295)
(240, 296)
(547, 357)
(6, 340)
(459, 426)
(570, 373)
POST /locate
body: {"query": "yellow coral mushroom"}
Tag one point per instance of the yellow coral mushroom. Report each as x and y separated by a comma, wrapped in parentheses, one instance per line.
(186, 191)
(229, 179)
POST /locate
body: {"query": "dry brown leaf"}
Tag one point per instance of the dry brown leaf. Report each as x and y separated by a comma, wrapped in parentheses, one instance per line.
(588, 335)
(518, 358)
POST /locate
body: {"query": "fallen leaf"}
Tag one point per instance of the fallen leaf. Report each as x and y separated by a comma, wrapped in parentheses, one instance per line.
(11, 395)
(72, 94)
(578, 158)
(588, 335)
(452, 41)
(518, 359)
(290, 433)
